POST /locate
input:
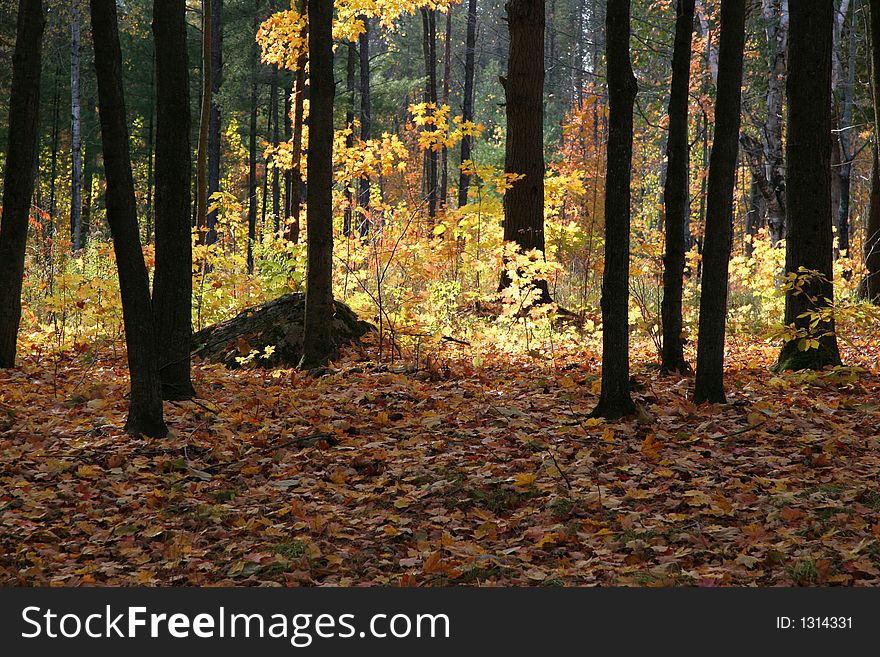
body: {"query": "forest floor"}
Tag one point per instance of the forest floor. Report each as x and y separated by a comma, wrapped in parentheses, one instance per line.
(455, 474)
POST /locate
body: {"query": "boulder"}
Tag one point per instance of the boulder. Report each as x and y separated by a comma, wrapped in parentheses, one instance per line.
(276, 325)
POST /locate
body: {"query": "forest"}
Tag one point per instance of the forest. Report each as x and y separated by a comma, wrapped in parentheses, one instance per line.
(429, 293)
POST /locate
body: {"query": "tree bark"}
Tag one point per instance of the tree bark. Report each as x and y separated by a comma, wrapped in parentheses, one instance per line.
(808, 178)
(366, 118)
(709, 381)
(467, 106)
(145, 415)
(76, 176)
(844, 135)
(447, 64)
(296, 173)
(871, 284)
(214, 120)
(524, 152)
(318, 343)
(252, 147)
(429, 46)
(276, 140)
(615, 400)
(204, 121)
(675, 194)
(172, 280)
(19, 174)
(351, 185)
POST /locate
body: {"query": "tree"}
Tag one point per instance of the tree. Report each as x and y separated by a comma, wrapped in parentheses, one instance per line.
(467, 105)
(75, 131)
(145, 414)
(429, 48)
(214, 124)
(870, 286)
(202, 200)
(18, 182)
(808, 220)
(675, 193)
(318, 343)
(252, 146)
(366, 113)
(615, 400)
(709, 381)
(524, 150)
(172, 282)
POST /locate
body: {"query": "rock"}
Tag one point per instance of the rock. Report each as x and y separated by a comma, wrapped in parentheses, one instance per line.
(276, 325)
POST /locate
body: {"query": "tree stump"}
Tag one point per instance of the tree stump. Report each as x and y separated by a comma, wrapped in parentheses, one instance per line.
(278, 325)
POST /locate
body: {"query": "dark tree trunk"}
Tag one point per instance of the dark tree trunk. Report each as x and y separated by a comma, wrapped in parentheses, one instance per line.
(429, 45)
(467, 106)
(615, 400)
(870, 286)
(808, 219)
(318, 343)
(145, 409)
(172, 281)
(214, 123)
(53, 176)
(675, 193)
(76, 178)
(351, 185)
(202, 201)
(18, 181)
(709, 383)
(296, 173)
(524, 152)
(844, 172)
(151, 152)
(366, 118)
(252, 148)
(447, 65)
(287, 209)
(276, 139)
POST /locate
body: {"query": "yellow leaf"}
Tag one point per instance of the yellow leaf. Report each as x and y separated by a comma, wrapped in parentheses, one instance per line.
(524, 479)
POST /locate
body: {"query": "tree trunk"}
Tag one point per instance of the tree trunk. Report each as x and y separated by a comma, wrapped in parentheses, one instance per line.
(214, 124)
(318, 343)
(350, 185)
(276, 140)
(19, 174)
(776, 13)
(615, 400)
(467, 106)
(844, 140)
(709, 381)
(76, 177)
(204, 122)
(366, 119)
(675, 194)
(871, 284)
(287, 209)
(447, 63)
(172, 281)
(808, 178)
(53, 177)
(429, 45)
(252, 147)
(151, 130)
(296, 151)
(524, 152)
(145, 408)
